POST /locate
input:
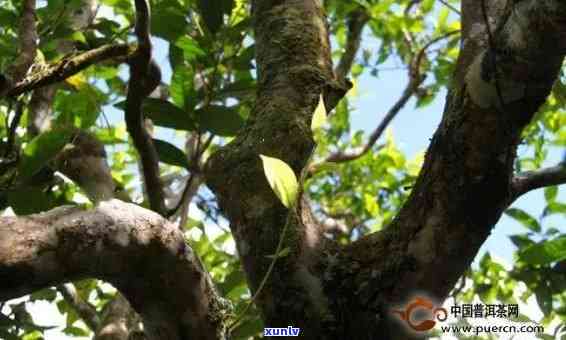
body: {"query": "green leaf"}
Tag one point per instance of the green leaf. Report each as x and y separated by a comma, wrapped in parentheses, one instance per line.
(75, 331)
(555, 208)
(545, 252)
(168, 22)
(281, 179)
(521, 241)
(320, 116)
(544, 299)
(190, 47)
(524, 218)
(170, 154)
(164, 113)
(550, 193)
(212, 13)
(80, 109)
(219, 120)
(234, 279)
(182, 87)
(41, 150)
(48, 294)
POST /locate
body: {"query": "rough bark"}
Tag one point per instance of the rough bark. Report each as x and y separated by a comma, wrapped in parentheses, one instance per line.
(294, 68)
(136, 250)
(465, 181)
(457, 199)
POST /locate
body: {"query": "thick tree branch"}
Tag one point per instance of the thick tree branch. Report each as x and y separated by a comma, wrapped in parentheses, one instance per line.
(140, 85)
(465, 182)
(136, 250)
(532, 180)
(67, 67)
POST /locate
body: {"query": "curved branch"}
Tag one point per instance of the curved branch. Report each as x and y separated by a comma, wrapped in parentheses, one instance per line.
(357, 19)
(532, 180)
(136, 250)
(140, 67)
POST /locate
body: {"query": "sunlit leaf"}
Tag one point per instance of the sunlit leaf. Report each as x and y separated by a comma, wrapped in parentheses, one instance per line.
(320, 116)
(190, 48)
(545, 252)
(281, 179)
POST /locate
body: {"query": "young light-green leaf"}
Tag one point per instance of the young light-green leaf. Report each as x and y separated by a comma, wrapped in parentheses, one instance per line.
(281, 179)
(320, 116)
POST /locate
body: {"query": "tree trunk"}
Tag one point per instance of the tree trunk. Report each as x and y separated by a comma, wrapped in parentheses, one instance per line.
(334, 292)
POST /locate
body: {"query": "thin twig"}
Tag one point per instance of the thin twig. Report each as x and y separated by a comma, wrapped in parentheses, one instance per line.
(415, 79)
(266, 277)
(85, 310)
(450, 7)
(193, 182)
